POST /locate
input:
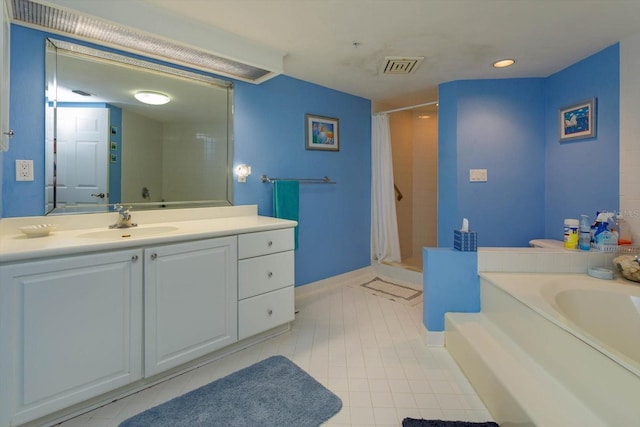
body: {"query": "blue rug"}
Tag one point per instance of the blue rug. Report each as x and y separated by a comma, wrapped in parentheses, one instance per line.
(274, 392)
(412, 422)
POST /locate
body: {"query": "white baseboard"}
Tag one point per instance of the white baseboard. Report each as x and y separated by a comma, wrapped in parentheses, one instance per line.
(434, 338)
(358, 276)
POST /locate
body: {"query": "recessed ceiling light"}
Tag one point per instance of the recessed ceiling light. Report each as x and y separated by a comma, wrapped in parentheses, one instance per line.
(504, 63)
(153, 98)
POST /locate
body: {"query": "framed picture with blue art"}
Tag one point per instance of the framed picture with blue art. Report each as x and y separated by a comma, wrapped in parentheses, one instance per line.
(322, 133)
(578, 121)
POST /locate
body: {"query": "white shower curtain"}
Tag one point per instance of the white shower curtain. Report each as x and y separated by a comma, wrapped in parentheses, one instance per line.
(385, 244)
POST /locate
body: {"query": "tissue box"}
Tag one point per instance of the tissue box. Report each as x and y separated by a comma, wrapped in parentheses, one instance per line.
(465, 240)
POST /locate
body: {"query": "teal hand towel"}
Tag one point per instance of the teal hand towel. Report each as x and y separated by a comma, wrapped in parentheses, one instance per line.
(286, 196)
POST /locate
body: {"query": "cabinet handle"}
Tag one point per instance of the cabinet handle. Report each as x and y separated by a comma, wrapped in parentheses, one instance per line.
(154, 256)
(269, 243)
(269, 312)
(134, 258)
(270, 275)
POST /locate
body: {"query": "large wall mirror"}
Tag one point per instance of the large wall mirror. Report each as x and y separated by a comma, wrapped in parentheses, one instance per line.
(107, 144)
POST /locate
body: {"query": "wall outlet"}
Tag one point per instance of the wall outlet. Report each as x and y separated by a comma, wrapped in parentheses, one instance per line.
(477, 175)
(24, 170)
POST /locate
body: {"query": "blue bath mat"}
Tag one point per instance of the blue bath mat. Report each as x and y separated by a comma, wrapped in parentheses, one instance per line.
(274, 392)
(412, 422)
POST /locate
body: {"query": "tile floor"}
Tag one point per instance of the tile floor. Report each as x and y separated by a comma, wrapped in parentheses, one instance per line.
(368, 350)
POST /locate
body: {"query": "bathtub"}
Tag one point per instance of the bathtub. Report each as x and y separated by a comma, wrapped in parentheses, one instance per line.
(584, 331)
(602, 313)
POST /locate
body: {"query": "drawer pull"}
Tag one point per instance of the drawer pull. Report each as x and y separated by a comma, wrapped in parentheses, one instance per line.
(269, 243)
(134, 258)
(270, 274)
(154, 256)
(269, 312)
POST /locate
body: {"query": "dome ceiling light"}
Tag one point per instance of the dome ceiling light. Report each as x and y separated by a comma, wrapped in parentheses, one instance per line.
(503, 63)
(152, 98)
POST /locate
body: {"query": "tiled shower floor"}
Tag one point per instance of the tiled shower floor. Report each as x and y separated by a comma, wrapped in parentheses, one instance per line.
(366, 349)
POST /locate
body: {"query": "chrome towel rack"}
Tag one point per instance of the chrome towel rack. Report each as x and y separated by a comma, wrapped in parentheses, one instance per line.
(325, 180)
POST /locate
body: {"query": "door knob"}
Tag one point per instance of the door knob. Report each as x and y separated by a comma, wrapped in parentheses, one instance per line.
(100, 195)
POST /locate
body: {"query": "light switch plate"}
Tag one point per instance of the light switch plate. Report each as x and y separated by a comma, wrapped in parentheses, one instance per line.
(24, 170)
(477, 175)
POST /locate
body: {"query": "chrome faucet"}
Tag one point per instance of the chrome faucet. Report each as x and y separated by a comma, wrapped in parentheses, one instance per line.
(124, 217)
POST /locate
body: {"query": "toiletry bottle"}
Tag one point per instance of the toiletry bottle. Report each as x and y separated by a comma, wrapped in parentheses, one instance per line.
(571, 233)
(584, 235)
(624, 238)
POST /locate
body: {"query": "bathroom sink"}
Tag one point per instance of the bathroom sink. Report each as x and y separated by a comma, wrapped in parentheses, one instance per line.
(128, 233)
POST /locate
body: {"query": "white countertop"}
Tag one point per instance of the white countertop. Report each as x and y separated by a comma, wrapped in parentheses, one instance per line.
(77, 234)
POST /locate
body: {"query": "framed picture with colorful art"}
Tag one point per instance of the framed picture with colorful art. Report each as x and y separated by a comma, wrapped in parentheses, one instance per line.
(322, 133)
(578, 121)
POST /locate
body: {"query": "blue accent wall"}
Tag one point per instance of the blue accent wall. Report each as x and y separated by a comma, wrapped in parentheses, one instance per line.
(269, 135)
(496, 125)
(269, 130)
(450, 283)
(27, 104)
(583, 175)
(511, 128)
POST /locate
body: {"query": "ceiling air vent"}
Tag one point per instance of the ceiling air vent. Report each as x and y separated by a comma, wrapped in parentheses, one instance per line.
(401, 64)
(73, 24)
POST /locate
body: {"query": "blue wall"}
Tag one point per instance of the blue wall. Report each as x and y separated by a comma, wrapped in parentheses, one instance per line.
(495, 125)
(583, 176)
(450, 283)
(510, 127)
(27, 105)
(268, 135)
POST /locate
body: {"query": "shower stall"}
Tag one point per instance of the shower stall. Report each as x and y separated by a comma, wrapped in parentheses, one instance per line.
(414, 146)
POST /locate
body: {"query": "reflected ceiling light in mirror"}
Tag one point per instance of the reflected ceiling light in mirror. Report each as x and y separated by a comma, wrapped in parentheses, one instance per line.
(152, 98)
(503, 63)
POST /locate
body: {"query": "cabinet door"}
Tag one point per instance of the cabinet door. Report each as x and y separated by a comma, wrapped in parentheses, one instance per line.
(70, 329)
(191, 301)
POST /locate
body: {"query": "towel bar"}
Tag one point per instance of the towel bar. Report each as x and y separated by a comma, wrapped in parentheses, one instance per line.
(325, 180)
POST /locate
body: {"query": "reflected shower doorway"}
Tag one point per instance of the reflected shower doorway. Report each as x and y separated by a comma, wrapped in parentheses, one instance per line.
(414, 145)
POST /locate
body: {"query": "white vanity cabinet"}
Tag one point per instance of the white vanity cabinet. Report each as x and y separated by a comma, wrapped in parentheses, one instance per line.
(70, 328)
(265, 281)
(190, 301)
(82, 322)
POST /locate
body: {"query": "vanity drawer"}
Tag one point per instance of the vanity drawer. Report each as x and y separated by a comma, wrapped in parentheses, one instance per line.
(263, 312)
(265, 242)
(264, 274)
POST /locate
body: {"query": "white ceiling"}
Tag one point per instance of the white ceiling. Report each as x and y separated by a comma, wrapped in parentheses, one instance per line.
(459, 39)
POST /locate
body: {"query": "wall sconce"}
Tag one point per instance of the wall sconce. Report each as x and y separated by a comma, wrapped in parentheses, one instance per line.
(243, 171)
